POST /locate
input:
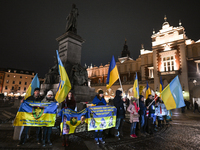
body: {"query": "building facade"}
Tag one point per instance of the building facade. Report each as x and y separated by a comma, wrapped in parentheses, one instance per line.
(172, 54)
(16, 82)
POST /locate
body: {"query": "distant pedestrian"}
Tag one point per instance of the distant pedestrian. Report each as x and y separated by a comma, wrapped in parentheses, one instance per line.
(196, 106)
(119, 104)
(98, 101)
(47, 130)
(134, 116)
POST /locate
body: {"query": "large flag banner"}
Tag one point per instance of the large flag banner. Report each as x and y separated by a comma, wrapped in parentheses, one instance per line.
(172, 95)
(148, 90)
(34, 84)
(136, 87)
(113, 74)
(161, 84)
(33, 113)
(64, 85)
(73, 121)
(101, 117)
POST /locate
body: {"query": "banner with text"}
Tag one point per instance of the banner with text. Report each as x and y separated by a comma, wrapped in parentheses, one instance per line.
(73, 121)
(101, 117)
(34, 113)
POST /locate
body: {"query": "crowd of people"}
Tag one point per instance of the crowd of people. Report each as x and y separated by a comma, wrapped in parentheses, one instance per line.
(147, 116)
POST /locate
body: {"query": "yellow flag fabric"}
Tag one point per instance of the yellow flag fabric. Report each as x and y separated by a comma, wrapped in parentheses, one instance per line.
(64, 85)
(148, 90)
(136, 87)
(34, 84)
(113, 74)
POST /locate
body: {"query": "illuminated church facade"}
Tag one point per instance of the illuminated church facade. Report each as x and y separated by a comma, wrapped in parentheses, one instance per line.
(172, 54)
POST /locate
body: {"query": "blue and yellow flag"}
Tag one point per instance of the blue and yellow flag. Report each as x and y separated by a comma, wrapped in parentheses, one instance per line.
(136, 87)
(34, 113)
(73, 121)
(113, 74)
(34, 84)
(101, 117)
(172, 95)
(64, 85)
(161, 84)
(148, 90)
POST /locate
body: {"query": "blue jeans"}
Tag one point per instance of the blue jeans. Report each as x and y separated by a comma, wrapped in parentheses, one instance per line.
(98, 135)
(47, 131)
(118, 120)
(154, 117)
(142, 121)
(133, 126)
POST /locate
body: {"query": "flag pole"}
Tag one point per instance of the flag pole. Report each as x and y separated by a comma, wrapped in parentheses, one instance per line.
(120, 83)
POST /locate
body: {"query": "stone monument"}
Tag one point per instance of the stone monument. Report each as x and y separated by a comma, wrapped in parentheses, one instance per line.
(69, 48)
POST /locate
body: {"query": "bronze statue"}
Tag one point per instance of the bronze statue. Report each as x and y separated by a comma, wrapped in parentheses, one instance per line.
(72, 19)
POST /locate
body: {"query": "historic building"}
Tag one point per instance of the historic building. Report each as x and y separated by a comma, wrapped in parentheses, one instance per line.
(15, 82)
(172, 54)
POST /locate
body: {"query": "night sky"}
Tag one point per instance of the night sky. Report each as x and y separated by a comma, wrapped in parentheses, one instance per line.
(29, 28)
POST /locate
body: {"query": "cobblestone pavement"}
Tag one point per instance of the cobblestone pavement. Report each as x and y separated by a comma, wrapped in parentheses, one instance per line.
(183, 133)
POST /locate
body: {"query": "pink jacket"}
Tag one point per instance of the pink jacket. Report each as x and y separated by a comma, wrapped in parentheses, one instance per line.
(134, 116)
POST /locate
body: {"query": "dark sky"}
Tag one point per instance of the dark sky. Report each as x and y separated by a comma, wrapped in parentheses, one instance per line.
(29, 28)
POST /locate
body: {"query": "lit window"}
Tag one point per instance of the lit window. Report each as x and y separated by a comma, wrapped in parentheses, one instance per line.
(7, 81)
(26, 77)
(14, 76)
(151, 69)
(33, 74)
(15, 71)
(168, 63)
(99, 80)
(9, 70)
(198, 65)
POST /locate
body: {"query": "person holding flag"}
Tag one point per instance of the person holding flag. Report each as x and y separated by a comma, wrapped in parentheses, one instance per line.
(142, 114)
(32, 93)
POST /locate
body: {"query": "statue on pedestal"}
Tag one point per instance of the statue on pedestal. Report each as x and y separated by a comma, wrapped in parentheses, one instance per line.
(72, 19)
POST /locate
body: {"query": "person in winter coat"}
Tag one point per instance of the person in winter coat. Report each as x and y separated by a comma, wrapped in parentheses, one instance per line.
(134, 116)
(196, 106)
(142, 113)
(151, 109)
(119, 104)
(98, 101)
(35, 97)
(47, 130)
(69, 102)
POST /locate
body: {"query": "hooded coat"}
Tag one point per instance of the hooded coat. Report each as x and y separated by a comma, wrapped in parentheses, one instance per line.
(119, 104)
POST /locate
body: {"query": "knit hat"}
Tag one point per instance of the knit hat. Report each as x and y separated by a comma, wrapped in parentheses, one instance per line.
(50, 93)
(36, 89)
(100, 92)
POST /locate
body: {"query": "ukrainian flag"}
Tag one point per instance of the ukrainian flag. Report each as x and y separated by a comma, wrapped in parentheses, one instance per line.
(172, 95)
(34, 84)
(64, 85)
(136, 87)
(161, 84)
(113, 74)
(148, 91)
(32, 113)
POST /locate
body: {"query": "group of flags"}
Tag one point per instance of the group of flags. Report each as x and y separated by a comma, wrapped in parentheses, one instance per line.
(171, 95)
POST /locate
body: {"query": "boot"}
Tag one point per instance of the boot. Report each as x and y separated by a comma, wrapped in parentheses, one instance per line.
(116, 133)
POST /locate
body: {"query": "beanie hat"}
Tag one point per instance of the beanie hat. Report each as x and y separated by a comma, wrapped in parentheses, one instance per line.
(50, 93)
(100, 92)
(36, 89)
(141, 96)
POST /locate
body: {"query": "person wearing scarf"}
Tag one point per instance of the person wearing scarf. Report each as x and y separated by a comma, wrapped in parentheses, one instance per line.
(134, 116)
